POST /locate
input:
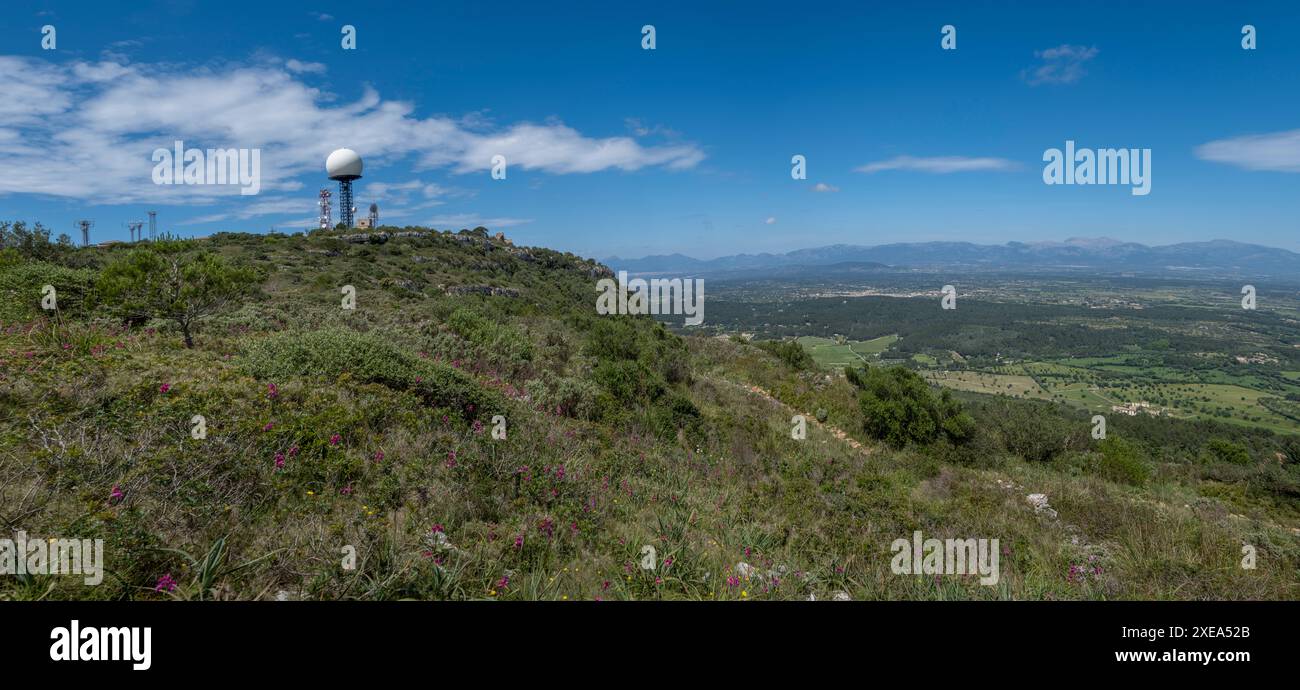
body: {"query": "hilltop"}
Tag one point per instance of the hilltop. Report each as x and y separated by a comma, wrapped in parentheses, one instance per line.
(472, 429)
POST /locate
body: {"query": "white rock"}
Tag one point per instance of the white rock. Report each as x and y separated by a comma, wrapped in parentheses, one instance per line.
(842, 596)
(1039, 502)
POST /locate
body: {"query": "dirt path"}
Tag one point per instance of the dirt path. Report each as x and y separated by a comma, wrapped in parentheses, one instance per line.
(828, 428)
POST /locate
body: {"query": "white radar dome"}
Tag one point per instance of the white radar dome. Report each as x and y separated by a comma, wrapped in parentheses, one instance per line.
(343, 164)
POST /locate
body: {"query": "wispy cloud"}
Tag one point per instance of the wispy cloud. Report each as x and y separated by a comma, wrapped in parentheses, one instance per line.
(770, 221)
(822, 187)
(1060, 65)
(1277, 151)
(939, 164)
(261, 207)
(470, 220)
(298, 67)
(87, 130)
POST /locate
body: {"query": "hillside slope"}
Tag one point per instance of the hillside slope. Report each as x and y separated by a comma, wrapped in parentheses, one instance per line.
(472, 429)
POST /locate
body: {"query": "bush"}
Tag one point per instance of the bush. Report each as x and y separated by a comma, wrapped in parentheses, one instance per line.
(505, 341)
(900, 408)
(676, 412)
(1037, 432)
(329, 354)
(1122, 461)
(790, 352)
(628, 382)
(564, 395)
(1223, 450)
(21, 283)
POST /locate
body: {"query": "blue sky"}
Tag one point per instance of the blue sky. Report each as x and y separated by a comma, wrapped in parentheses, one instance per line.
(615, 150)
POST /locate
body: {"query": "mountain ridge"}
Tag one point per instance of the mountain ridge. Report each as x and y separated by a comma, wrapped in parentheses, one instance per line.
(1105, 254)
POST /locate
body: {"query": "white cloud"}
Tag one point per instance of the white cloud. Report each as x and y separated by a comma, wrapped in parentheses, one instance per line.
(938, 164)
(770, 221)
(87, 130)
(555, 148)
(298, 67)
(823, 187)
(1277, 151)
(1060, 65)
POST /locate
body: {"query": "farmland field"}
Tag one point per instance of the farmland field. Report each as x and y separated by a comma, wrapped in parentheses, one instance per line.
(831, 354)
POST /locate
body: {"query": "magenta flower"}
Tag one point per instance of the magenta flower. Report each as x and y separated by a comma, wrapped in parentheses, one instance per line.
(478, 427)
(503, 582)
(335, 439)
(279, 461)
(293, 451)
(379, 455)
(451, 458)
(164, 388)
(438, 528)
(347, 490)
(733, 581)
(271, 391)
(519, 542)
(165, 584)
(116, 494)
(269, 426)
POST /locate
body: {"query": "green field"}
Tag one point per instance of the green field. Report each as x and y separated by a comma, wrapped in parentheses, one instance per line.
(997, 384)
(1091, 383)
(830, 354)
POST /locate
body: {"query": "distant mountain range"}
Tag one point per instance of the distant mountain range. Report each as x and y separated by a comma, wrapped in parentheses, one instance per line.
(1096, 255)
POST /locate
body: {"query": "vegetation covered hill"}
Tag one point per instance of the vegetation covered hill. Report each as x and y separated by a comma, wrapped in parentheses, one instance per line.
(470, 428)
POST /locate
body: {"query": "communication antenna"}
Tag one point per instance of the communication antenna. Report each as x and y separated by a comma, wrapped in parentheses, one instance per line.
(326, 209)
(374, 216)
(135, 227)
(84, 226)
(153, 224)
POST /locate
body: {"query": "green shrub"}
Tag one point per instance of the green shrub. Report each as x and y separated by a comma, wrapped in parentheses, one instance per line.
(21, 284)
(900, 407)
(1036, 432)
(332, 353)
(1222, 450)
(568, 396)
(790, 352)
(1123, 461)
